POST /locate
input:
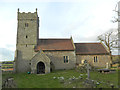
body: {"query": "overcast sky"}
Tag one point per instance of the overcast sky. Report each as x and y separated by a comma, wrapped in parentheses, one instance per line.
(84, 20)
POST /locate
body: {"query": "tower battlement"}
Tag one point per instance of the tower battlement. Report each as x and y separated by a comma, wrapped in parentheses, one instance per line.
(27, 12)
(27, 15)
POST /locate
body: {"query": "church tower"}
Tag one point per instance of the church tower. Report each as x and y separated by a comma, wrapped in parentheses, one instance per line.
(27, 37)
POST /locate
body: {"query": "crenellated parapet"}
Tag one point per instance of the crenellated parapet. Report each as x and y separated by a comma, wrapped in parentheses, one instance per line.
(27, 15)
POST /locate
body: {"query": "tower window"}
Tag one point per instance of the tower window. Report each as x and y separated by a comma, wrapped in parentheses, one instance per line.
(26, 24)
(26, 36)
(26, 45)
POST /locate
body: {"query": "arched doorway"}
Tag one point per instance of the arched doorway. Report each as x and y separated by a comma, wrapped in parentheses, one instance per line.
(40, 68)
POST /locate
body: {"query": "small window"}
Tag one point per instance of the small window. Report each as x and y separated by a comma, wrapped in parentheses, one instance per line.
(66, 59)
(26, 36)
(31, 19)
(26, 45)
(26, 24)
(95, 59)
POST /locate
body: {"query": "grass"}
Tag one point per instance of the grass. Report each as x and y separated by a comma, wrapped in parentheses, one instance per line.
(25, 80)
(106, 79)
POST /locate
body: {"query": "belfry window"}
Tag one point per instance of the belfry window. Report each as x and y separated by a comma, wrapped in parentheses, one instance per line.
(26, 24)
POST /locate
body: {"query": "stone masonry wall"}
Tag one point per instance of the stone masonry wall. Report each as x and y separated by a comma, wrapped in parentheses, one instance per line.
(57, 58)
(102, 59)
(24, 55)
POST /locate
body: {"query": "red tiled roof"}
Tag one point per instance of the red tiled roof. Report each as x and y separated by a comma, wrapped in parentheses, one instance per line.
(90, 48)
(54, 44)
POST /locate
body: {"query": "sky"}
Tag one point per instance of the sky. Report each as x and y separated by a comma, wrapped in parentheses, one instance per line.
(84, 20)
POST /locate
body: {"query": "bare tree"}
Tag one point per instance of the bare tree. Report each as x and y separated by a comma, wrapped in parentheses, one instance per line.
(110, 40)
(115, 18)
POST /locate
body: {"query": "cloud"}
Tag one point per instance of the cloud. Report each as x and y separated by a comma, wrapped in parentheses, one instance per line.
(6, 55)
(34, 1)
(85, 39)
(84, 20)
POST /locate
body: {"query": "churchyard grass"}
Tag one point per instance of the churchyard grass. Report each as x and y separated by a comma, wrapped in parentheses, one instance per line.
(62, 79)
(105, 80)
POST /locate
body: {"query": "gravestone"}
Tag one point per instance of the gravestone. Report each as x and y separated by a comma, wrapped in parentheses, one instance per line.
(88, 71)
(9, 83)
(107, 65)
(89, 83)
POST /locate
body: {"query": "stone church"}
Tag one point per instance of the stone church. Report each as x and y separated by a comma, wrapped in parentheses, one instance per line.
(37, 55)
